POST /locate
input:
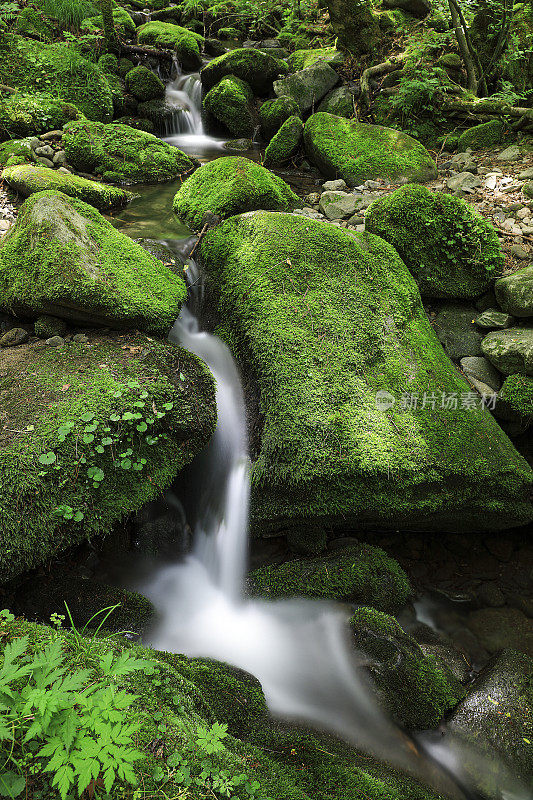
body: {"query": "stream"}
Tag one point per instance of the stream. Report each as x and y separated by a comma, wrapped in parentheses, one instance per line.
(298, 649)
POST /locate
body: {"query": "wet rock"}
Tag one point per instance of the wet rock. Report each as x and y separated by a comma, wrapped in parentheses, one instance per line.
(515, 292)
(55, 341)
(457, 332)
(14, 337)
(496, 717)
(307, 86)
(337, 205)
(511, 350)
(481, 370)
(492, 319)
(498, 628)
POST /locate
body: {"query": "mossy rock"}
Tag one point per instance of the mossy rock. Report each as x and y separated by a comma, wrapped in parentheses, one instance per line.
(301, 59)
(109, 63)
(124, 66)
(123, 153)
(340, 102)
(514, 293)
(139, 123)
(510, 351)
(344, 454)
(358, 573)
(230, 102)
(52, 396)
(480, 136)
(449, 248)
(356, 152)
(63, 258)
(228, 186)
(308, 86)
(356, 26)
(16, 151)
(144, 84)
(517, 395)
(23, 115)
(289, 762)
(185, 43)
(273, 113)
(46, 327)
(414, 689)
(228, 33)
(26, 64)
(28, 179)
(285, 143)
(258, 69)
(32, 23)
(122, 20)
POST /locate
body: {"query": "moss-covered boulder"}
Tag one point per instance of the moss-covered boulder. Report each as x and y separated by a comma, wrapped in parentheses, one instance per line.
(15, 151)
(358, 573)
(330, 329)
(124, 24)
(185, 43)
(187, 696)
(308, 86)
(301, 59)
(356, 25)
(285, 143)
(228, 186)
(340, 102)
(514, 292)
(511, 350)
(30, 114)
(63, 258)
(121, 153)
(71, 412)
(415, 689)
(144, 84)
(356, 152)
(258, 69)
(27, 179)
(488, 134)
(26, 65)
(449, 248)
(517, 395)
(273, 113)
(230, 103)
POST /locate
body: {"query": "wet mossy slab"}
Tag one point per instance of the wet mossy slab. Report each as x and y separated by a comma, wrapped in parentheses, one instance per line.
(120, 153)
(63, 258)
(258, 69)
(186, 43)
(356, 151)
(90, 432)
(361, 417)
(230, 102)
(27, 179)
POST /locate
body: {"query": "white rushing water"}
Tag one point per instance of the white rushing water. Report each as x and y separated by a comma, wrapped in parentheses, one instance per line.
(185, 127)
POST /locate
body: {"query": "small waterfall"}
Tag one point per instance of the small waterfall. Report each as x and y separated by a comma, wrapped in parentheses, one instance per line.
(184, 127)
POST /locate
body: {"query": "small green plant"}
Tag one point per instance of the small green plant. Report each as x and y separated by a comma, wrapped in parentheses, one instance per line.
(60, 727)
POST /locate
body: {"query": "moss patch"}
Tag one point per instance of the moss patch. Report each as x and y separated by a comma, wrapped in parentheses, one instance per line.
(354, 151)
(229, 186)
(16, 151)
(120, 153)
(274, 113)
(185, 43)
(24, 115)
(63, 258)
(480, 136)
(325, 320)
(144, 84)
(449, 248)
(28, 179)
(230, 102)
(517, 394)
(44, 389)
(122, 20)
(258, 69)
(301, 59)
(286, 143)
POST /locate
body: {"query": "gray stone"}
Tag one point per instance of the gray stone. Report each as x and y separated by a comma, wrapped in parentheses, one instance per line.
(14, 337)
(335, 186)
(465, 162)
(80, 338)
(511, 153)
(526, 175)
(511, 351)
(463, 182)
(340, 101)
(45, 150)
(308, 86)
(60, 158)
(337, 205)
(520, 252)
(496, 718)
(456, 331)
(482, 370)
(515, 292)
(45, 162)
(46, 137)
(492, 319)
(55, 341)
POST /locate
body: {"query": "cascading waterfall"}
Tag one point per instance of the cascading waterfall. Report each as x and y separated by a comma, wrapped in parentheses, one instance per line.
(184, 128)
(298, 649)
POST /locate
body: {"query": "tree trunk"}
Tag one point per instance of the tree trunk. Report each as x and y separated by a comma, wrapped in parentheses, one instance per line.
(463, 47)
(110, 34)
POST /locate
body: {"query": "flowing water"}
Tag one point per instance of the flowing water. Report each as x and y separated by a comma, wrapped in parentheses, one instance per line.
(185, 128)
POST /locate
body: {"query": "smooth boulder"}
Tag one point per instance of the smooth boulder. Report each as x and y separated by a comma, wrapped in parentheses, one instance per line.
(228, 186)
(361, 417)
(511, 350)
(64, 259)
(258, 69)
(230, 102)
(515, 292)
(308, 86)
(357, 152)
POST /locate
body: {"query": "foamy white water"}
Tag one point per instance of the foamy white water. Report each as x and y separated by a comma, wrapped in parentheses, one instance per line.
(185, 128)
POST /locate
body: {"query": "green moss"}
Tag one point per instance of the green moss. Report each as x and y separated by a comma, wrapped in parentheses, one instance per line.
(144, 84)
(59, 70)
(123, 152)
(301, 59)
(288, 762)
(230, 102)
(28, 179)
(45, 387)
(17, 151)
(185, 43)
(258, 69)
(23, 115)
(273, 113)
(63, 258)
(416, 690)
(228, 33)
(33, 23)
(228, 186)
(139, 123)
(331, 318)
(285, 143)
(517, 393)
(124, 66)
(122, 20)
(354, 151)
(358, 574)
(109, 63)
(450, 249)
(46, 327)
(356, 25)
(480, 136)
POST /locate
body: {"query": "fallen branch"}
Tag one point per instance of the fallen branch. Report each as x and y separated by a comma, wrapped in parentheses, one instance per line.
(146, 51)
(4, 88)
(393, 64)
(490, 107)
(200, 236)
